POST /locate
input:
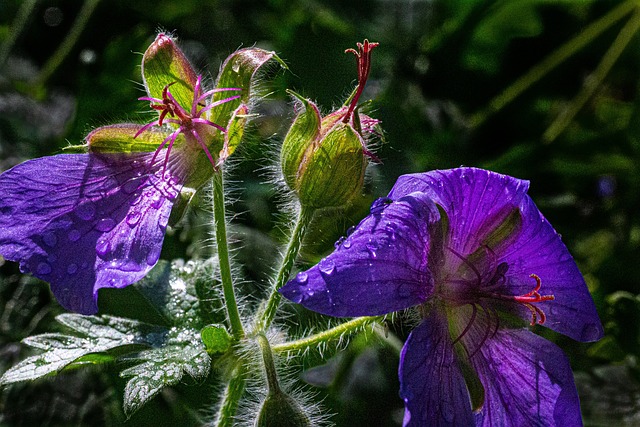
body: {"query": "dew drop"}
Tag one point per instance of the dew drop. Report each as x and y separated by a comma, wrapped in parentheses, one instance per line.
(103, 247)
(350, 230)
(43, 268)
(591, 332)
(302, 277)
(339, 242)
(131, 186)
(236, 66)
(327, 267)
(372, 247)
(390, 228)
(379, 205)
(346, 244)
(135, 199)
(72, 268)
(133, 218)
(106, 224)
(50, 239)
(86, 210)
(156, 200)
(74, 235)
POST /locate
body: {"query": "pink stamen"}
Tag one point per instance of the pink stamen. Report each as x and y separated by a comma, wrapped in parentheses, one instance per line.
(363, 59)
(528, 299)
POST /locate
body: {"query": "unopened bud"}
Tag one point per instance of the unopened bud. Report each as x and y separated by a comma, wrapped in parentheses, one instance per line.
(281, 410)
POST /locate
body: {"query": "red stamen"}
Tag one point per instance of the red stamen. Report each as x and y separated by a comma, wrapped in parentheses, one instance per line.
(363, 59)
(528, 299)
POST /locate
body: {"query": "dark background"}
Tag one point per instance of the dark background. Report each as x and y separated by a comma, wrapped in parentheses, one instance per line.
(434, 82)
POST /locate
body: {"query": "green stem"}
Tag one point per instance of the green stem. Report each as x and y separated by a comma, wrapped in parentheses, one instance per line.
(269, 366)
(324, 336)
(19, 23)
(67, 44)
(295, 241)
(220, 225)
(593, 82)
(231, 398)
(552, 61)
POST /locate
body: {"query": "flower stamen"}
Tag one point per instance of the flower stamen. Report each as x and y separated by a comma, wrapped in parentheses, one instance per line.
(172, 112)
(528, 299)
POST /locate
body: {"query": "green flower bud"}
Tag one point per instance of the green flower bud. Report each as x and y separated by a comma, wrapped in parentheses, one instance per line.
(323, 160)
(281, 410)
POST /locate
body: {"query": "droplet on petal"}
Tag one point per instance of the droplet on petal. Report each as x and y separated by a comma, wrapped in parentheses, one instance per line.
(327, 267)
(106, 224)
(86, 210)
(302, 277)
(72, 268)
(379, 205)
(50, 239)
(74, 235)
(153, 256)
(43, 268)
(103, 247)
(133, 218)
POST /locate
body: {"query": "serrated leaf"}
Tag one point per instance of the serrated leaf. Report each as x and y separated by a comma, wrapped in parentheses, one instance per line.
(103, 333)
(163, 367)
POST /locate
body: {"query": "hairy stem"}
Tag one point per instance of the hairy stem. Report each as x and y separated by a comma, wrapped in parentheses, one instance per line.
(266, 316)
(269, 366)
(330, 334)
(231, 398)
(554, 59)
(220, 225)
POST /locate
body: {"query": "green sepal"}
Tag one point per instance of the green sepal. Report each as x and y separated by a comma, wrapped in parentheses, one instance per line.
(180, 205)
(216, 339)
(299, 140)
(235, 132)
(119, 138)
(164, 64)
(334, 171)
(238, 71)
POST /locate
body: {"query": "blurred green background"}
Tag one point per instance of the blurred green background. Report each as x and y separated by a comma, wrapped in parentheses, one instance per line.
(542, 90)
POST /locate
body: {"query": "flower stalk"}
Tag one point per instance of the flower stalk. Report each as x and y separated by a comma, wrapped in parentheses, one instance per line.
(220, 227)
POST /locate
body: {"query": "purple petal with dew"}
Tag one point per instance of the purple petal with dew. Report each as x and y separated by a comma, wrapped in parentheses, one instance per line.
(527, 381)
(85, 221)
(381, 267)
(431, 383)
(476, 201)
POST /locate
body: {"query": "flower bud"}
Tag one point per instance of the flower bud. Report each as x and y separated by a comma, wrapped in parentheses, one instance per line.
(323, 160)
(281, 410)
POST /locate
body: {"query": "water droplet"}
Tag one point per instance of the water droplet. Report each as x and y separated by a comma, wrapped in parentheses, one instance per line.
(339, 242)
(43, 268)
(302, 277)
(156, 200)
(350, 230)
(327, 267)
(591, 332)
(133, 218)
(236, 66)
(72, 268)
(131, 186)
(390, 228)
(74, 235)
(106, 224)
(346, 244)
(372, 247)
(379, 205)
(135, 199)
(50, 239)
(103, 247)
(86, 210)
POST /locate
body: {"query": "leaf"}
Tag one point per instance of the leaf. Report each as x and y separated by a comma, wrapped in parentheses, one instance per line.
(100, 335)
(215, 338)
(165, 366)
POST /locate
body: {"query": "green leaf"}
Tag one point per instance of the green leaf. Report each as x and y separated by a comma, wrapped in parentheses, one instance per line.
(216, 339)
(165, 366)
(238, 71)
(100, 334)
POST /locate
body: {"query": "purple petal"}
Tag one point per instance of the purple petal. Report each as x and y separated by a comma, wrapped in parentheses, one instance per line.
(477, 202)
(431, 383)
(381, 267)
(527, 381)
(84, 221)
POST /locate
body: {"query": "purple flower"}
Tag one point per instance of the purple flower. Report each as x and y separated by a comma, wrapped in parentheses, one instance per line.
(83, 222)
(469, 249)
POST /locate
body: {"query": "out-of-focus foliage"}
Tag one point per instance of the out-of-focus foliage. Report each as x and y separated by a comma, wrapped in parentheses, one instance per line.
(541, 90)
